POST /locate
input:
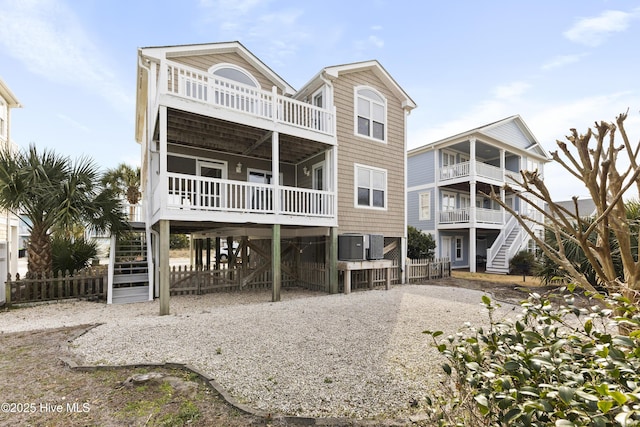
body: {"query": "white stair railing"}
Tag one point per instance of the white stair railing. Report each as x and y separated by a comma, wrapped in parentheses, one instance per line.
(500, 240)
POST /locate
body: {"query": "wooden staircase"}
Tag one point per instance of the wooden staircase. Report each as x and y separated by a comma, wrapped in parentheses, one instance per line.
(129, 268)
(504, 247)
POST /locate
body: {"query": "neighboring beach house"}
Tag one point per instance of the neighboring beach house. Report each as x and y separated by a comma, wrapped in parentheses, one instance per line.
(9, 223)
(231, 152)
(447, 180)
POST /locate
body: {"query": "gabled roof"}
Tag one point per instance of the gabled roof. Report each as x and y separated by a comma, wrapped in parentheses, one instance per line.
(586, 206)
(8, 96)
(334, 72)
(157, 53)
(160, 52)
(491, 130)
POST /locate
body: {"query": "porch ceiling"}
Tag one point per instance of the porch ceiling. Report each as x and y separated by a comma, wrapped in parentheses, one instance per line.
(214, 134)
(481, 187)
(213, 229)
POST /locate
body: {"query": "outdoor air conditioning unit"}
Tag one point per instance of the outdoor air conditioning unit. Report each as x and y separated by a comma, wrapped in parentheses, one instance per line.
(375, 248)
(351, 247)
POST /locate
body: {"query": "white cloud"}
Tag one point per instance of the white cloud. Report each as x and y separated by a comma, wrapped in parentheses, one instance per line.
(376, 41)
(562, 60)
(73, 123)
(511, 90)
(48, 38)
(251, 21)
(479, 115)
(594, 31)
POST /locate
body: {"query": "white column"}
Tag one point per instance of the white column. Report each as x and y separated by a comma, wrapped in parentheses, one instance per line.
(275, 170)
(503, 198)
(164, 267)
(472, 249)
(472, 157)
(111, 268)
(472, 182)
(472, 209)
(163, 185)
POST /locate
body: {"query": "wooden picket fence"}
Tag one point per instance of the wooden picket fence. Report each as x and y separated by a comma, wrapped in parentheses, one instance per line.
(92, 283)
(419, 270)
(88, 283)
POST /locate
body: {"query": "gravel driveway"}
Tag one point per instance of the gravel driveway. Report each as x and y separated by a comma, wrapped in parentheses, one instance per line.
(361, 355)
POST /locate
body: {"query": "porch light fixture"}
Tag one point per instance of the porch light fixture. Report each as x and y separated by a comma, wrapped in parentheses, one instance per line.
(306, 171)
(239, 168)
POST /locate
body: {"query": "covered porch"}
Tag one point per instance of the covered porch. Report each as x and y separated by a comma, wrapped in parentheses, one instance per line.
(203, 168)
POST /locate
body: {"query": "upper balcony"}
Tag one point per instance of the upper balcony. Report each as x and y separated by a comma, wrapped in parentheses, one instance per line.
(483, 171)
(230, 100)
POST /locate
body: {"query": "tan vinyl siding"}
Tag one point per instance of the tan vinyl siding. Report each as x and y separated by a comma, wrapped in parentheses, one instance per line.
(204, 62)
(354, 149)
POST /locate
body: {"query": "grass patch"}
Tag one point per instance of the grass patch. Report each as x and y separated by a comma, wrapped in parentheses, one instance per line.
(497, 278)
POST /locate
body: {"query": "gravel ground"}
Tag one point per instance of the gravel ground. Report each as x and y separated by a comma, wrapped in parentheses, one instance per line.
(361, 355)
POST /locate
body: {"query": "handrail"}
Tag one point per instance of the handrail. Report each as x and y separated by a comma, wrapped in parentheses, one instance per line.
(493, 250)
(202, 86)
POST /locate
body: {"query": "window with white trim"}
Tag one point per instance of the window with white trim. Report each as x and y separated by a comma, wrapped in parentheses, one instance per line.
(459, 253)
(3, 118)
(371, 187)
(448, 202)
(235, 73)
(424, 201)
(371, 114)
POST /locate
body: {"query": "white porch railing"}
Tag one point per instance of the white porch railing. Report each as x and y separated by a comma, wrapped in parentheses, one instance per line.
(303, 201)
(489, 216)
(454, 171)
(454, 216)
(211, 89)
(482, 215)
(488, 171)
(460, 170)
(213, 194)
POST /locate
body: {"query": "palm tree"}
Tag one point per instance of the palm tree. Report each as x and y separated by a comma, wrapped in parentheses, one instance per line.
(54, 192)
(125, 180)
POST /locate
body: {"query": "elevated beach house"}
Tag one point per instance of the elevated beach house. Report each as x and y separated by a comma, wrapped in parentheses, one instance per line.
(9, 223)
(448, 183)
(235, 157)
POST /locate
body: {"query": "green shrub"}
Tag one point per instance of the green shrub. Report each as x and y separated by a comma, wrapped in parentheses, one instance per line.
(72, 254)
(562, 366)
(178, 241)
(524, 262)
(419, 244)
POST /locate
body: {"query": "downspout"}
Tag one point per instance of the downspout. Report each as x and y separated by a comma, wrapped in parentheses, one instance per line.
(151, 242)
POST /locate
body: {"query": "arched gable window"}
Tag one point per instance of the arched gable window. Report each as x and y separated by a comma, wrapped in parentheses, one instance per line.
(371, 113)
(235, 73)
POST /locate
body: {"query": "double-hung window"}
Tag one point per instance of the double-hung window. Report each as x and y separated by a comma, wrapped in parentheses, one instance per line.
(371, 187)
(424, 200)
(371, 114)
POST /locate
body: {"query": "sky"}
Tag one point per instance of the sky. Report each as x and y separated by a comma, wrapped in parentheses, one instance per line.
(466, 63)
